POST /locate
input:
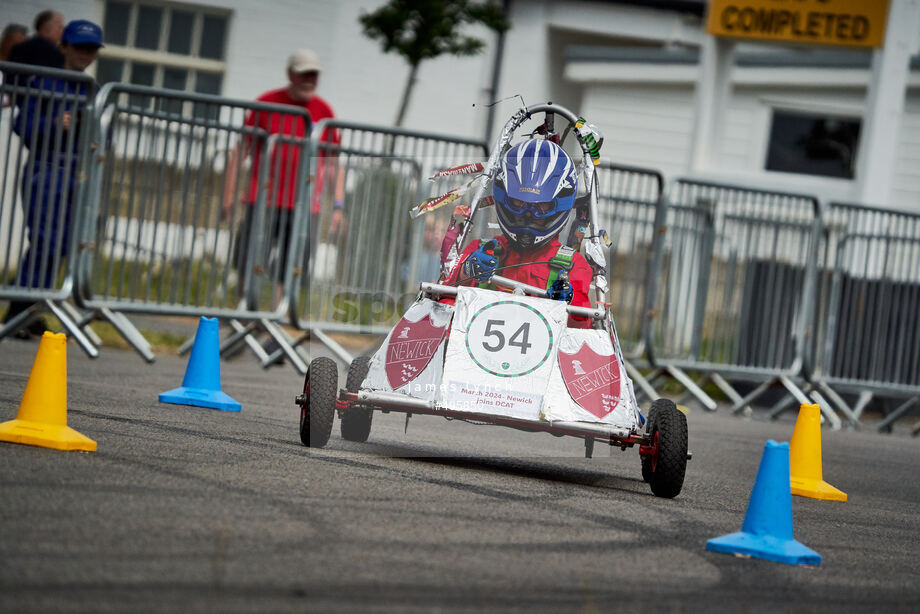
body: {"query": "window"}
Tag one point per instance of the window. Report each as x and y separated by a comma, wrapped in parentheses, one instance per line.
(174, 46)
(813, 144)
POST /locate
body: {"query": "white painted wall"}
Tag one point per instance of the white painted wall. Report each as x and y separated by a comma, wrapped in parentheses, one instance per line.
(905, 193)
(359, 81)
(650, 124)
(643, 125)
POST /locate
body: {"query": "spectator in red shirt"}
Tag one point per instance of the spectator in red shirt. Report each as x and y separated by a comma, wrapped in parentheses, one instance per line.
(303, 71)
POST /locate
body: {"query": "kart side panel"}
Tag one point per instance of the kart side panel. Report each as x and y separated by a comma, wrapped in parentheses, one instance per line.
(599, 381)
(426, 384)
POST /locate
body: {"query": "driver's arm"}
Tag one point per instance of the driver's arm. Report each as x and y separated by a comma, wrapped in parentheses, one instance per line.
(455, 274)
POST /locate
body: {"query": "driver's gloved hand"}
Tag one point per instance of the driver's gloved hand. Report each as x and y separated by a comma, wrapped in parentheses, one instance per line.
(480, 265)
(561, 290)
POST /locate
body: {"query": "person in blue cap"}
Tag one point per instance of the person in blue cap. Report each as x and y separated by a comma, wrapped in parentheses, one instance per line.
(49, 127)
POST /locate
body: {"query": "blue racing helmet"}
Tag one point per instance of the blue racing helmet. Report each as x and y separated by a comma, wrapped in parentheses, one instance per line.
(534, 192)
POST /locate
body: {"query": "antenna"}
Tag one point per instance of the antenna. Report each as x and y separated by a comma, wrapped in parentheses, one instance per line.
(492, 104)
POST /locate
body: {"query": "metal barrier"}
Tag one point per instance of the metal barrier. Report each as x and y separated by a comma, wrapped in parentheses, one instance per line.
(869, 321)
(361, 279)
(734, 289)
(630, 201)
(177, 223)
(44, 139)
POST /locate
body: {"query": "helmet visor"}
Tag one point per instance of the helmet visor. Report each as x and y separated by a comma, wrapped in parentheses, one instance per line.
(528, 220)
(537, 211)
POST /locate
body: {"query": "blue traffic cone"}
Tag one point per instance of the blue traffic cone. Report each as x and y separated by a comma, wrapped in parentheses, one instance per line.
(201, 385)
(767, 529)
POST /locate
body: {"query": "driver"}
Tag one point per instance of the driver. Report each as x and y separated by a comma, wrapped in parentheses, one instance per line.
(534, 193)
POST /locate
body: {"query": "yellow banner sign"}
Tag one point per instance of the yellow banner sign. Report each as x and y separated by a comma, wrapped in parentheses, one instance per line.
(849, 23)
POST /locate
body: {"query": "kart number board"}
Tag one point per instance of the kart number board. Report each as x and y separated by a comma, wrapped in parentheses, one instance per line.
(509, 339)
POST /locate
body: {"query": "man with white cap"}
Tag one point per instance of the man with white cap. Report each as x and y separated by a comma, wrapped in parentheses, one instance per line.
(303, 70)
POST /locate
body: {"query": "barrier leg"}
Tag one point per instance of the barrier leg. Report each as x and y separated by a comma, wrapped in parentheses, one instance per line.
(691, 387)
(885, 425)
(82, 321)
(643, 384)
(186, 347)
(19, 320)
(916, 430)
(277, 333)
(729, 391)
(841, 405)
(799, 395)
(796, 392)
(129, 333)
(827, 410)
(740, 405)
(330, 343)
(296, 343)
(865, 397)
(73, 329)
(655, 375)
(242, 333)
(781, 406)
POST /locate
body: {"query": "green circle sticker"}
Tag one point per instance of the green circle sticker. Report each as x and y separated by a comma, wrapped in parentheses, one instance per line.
(509, 339)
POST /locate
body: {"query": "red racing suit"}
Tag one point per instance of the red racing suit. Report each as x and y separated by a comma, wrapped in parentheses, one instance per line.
(537, 274)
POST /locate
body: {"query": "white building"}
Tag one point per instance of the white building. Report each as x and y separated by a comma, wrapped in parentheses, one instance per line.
(630, 67)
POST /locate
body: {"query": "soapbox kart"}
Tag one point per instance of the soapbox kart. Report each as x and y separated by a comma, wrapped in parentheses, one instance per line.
(509, 356)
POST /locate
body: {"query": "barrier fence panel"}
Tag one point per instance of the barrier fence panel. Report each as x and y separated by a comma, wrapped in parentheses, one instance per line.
(44, 138)
(630, 208)
(360, 277)
(869, 321)
(193, 205)
(734, 292)
(628, 203)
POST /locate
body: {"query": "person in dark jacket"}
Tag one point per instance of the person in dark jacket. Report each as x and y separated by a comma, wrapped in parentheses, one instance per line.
(48, 126)
(43, 49)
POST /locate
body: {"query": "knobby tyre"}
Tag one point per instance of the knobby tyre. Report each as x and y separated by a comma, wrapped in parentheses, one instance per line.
(669, 466)
(318, 411)
(356, 421)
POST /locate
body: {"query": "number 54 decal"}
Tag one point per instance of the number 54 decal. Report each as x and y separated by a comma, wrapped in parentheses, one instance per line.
(518, 339)
(509, 339)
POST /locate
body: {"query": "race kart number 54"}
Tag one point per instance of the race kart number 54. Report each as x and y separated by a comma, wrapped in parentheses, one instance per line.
(509, 339)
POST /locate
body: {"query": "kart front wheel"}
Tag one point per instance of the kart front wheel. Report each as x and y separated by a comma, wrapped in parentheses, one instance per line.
(356, 420)
(317, 406)
(665, 459)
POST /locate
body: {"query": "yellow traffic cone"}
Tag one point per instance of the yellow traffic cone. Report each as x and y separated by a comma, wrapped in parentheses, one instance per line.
(807, 479)
(42, 417)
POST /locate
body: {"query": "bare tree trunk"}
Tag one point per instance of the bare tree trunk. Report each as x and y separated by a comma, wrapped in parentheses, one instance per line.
(407, 94)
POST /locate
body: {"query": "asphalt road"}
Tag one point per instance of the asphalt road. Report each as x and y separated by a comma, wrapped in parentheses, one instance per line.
(186, 509)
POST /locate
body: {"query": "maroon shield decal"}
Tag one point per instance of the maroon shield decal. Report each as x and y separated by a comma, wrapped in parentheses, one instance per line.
(411, 347)
(592, 380)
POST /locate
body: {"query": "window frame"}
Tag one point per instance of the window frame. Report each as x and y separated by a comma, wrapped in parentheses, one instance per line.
(161, 58)
(848, 112)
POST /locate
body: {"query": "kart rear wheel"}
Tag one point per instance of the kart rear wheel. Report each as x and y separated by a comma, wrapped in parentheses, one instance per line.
(667, 463)
(356, 420)
(318, 408)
